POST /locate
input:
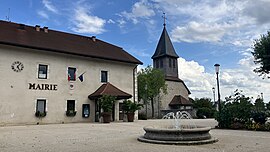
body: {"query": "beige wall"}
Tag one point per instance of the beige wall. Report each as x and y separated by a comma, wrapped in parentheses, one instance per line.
(18, 103)
(173, 88)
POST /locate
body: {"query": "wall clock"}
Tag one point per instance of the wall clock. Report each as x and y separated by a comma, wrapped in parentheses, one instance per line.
(17, 66)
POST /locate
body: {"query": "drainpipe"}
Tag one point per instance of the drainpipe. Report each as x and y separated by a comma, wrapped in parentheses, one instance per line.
(135, 68)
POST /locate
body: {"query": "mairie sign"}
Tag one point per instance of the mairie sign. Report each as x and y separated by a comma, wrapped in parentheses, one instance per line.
(34, 86)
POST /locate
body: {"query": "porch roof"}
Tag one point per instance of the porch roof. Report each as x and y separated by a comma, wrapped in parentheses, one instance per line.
(109, 89)
(179, 100)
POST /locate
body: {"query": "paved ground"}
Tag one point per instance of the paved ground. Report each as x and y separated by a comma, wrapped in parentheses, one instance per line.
(120, 137)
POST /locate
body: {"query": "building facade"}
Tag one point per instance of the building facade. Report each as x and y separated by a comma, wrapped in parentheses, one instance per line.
(47, 75)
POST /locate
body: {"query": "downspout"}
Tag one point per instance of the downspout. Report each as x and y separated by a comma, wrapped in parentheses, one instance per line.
(135, 68)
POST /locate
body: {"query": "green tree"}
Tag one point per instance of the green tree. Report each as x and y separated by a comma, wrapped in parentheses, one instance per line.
(205, 107)
(259, 105)
(237, 108)
(268, 106)
(202, 102)
(261, 55)
(151, 82)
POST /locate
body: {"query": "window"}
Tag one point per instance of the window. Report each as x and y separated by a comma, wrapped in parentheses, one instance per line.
(174, 63)
(161, 63)
(71, 74)
(41, 106)
(71, 111)
(71, 105)
(42, 71)
(170, 63)
(104, 76)
(157, 64)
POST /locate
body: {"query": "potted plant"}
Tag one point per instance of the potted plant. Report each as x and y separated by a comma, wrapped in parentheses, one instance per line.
(106, 103)
(40, 114)
(71, 113)
(129, 108)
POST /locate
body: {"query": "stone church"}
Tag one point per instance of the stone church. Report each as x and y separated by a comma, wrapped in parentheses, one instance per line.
(165, 59)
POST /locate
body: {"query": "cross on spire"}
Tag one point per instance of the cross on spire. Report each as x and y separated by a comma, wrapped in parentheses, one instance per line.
(164, 17)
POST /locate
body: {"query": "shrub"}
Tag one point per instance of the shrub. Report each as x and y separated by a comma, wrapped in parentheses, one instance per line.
(131, 107)
(40, 114)
(224, 117)
(237, 107)
(237, 125)
(106, 102)
(205, 112)
(259, 117)
(71, 113)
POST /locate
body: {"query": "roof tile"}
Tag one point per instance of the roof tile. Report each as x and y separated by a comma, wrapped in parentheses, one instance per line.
(56, 41)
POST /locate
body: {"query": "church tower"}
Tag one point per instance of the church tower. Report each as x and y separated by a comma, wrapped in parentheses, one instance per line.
(165, 59)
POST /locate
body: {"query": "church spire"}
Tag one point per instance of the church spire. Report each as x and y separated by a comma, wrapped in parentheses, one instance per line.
(164, 47)
(165, 57)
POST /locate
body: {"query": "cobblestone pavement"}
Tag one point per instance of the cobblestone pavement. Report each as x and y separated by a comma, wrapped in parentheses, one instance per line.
(120, 137)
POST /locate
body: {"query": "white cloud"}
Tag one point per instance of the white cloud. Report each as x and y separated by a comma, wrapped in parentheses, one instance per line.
(48, 5)
(228, 22)
(198, 81)
(243, 78)
(198, 32)
(138, 52)
(111, 21)
(141, 9)
(121, 22)
(86, 23)
(43, 14)
(140, 67)
(259, 11)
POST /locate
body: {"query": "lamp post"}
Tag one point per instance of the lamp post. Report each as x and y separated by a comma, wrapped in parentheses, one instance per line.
(146, 102)
(217, 72)
(214, 95)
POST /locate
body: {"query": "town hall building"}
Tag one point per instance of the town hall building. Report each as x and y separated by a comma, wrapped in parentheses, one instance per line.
(50, 76)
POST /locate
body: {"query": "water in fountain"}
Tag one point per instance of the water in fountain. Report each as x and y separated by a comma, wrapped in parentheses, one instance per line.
(177, 119)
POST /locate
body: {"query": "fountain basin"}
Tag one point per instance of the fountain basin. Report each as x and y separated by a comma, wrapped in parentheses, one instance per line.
(183, 136)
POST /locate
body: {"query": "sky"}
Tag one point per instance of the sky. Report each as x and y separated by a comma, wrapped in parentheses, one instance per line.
(203, 32)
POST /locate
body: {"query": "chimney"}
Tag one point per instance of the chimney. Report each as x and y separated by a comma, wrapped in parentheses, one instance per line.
(46, 30)
(37, 28)
(94, 38)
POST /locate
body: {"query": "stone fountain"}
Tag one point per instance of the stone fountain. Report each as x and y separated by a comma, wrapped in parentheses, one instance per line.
(177, 133)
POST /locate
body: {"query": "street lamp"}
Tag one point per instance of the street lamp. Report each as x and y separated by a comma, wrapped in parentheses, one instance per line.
(217, 72)
(214, 95)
